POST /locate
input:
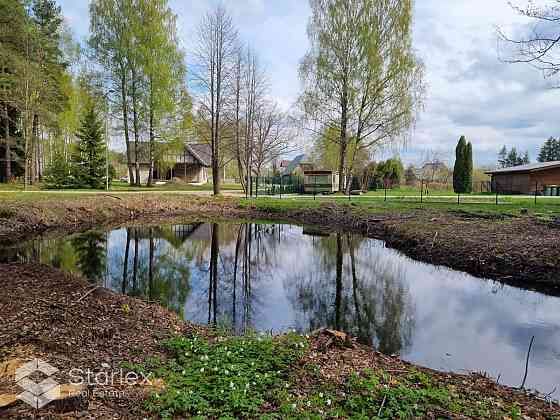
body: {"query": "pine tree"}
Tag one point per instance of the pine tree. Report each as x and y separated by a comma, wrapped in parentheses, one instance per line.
(460, 168)
(89, 161)
(525, 160)
(547, 150)
(467, 181)
(502, 157)
(57, 174)
(555, 154)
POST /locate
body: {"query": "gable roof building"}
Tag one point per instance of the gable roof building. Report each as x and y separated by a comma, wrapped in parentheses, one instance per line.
(526, 179)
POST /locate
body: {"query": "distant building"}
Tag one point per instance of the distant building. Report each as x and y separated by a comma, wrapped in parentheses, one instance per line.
(297, 166)
(525, 179)
(191, 165)
(318, 182)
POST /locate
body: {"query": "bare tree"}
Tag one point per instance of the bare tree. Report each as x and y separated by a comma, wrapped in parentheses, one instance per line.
(271, 136)
(540, 46)
(215, 62)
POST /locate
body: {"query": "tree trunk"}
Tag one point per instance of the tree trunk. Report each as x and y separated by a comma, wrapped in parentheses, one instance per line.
(152, 135)
(343, 141)
(124, 98)
(33, 152)
(8, 154)
(135, 127)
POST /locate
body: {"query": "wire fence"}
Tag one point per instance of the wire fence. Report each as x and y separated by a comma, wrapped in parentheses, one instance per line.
(482, 192)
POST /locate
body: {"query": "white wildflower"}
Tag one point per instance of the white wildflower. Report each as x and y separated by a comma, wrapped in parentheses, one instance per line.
(329, 402)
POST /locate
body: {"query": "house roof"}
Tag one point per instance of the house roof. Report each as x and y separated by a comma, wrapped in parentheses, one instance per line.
(294, 164)
(284, 163)
(532, 167)
(201, 152)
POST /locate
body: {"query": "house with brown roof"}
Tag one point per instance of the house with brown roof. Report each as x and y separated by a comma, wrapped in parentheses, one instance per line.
(526, 179)
(189, 165)
(192, 164)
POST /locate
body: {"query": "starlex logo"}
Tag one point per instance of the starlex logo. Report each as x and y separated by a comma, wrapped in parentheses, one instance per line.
(37, 394)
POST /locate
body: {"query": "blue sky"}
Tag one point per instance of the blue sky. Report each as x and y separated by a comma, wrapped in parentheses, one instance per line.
(470, 91)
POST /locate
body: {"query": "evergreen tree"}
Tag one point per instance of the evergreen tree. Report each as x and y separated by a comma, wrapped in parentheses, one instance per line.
(550, 151)
(502, 157)
(525, 160)
(460, 168)
(467, 181)
(556, 150)
(89, 161)
(57, 174)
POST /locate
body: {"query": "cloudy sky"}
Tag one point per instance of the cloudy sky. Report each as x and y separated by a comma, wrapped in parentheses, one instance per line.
(470, 91)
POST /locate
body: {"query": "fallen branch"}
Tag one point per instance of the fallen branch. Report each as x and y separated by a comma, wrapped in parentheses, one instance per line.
(527, 363)
(87, 294)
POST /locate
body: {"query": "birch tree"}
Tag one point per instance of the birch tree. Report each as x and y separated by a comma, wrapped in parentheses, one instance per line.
(214, 56)
(111, 44)
(361, 76)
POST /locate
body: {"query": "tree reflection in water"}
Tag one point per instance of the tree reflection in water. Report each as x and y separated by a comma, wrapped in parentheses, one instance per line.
(349, 288)
(228, 275)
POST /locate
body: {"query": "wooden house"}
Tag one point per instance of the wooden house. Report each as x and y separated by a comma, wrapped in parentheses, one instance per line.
(526, 179)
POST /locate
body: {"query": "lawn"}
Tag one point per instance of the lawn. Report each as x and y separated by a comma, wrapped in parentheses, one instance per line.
(508, 205)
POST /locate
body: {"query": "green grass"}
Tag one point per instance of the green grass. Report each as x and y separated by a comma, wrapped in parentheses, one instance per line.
(509, 206)
(230, 378)
(258, 376)
(119, 186)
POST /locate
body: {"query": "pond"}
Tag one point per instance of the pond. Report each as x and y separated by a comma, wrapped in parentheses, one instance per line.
(274, 277)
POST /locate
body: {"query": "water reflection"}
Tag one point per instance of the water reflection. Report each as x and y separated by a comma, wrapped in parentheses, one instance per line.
(275, 277)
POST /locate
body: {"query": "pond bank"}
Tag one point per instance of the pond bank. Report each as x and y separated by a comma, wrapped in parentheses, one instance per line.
(516, 249)
(66, 322)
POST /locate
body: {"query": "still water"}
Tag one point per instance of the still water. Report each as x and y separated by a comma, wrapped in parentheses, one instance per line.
(273, 277)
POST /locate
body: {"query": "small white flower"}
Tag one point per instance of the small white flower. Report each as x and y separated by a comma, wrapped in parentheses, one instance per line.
(320, 395)
(329, 402)
(231, 385)
(293, 406)
(184, 372)
(201, 370)
(308, 403)
(226, 372)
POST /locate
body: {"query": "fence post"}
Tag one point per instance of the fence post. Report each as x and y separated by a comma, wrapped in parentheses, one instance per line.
(458, 198)
(281, 186)
(385, 185)
(496, 193)
(257, 188)
(422, 191)
(536, 190)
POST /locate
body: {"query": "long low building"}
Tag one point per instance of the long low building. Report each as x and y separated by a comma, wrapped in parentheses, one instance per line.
(526, 179)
